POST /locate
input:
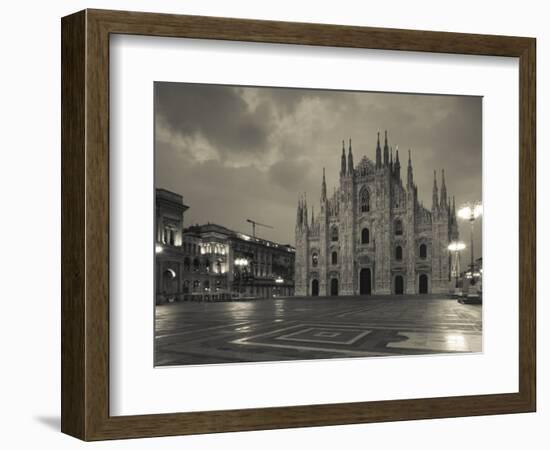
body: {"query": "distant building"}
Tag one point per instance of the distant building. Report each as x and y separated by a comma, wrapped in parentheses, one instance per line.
(210, 262)
(373, 236)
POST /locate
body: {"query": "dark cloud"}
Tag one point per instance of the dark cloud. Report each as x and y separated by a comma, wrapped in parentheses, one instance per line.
(290, 174)
(285, 101)
(239, 152)
(219, 113)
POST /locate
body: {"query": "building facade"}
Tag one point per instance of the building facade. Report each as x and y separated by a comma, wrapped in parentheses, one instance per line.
(210, 262)
(373, 236)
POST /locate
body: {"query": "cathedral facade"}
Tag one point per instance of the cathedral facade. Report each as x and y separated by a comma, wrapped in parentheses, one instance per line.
(372, 235)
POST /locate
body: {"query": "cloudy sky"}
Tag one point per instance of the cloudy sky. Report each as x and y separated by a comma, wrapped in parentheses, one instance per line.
(246, 152)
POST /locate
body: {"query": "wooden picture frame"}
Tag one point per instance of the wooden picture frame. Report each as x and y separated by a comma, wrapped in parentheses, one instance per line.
(85, 224)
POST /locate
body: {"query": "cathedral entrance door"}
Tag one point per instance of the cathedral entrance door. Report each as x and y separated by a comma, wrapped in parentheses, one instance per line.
(399, 284)
(315, 288)
(334, 286)
(365, 282)
(423, 284)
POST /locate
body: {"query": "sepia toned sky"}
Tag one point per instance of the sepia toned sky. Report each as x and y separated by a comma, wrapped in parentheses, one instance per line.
(246, 152)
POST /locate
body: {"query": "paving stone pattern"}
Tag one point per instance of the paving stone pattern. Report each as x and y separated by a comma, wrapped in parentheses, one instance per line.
(313, 328)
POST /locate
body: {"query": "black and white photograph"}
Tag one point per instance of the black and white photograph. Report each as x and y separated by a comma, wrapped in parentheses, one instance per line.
(269, 225)
(302, 224)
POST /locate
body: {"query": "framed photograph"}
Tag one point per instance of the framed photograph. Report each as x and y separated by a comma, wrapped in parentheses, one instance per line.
(273, 225)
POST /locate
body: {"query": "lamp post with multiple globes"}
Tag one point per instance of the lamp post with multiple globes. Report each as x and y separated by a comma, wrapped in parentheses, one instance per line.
(470, 212)
(456, 247)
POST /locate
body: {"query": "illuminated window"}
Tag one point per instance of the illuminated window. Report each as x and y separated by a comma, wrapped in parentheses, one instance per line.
(169, 235)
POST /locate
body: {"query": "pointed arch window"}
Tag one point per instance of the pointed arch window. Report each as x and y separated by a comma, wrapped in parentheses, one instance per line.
(423, 251)
(334, 258)
(334, 234)
(314, 259)
(398, 253)
(365, 236)
(365, 200)
(398, 227)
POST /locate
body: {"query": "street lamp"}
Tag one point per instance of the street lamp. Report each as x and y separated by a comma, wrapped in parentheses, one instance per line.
(456, 247)
(470, 212)
(241, 263)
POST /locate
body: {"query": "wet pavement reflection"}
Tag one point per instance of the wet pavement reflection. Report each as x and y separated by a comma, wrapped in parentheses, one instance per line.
(313, 328)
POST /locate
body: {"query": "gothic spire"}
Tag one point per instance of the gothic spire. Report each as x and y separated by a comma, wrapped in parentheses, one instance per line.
(299, 213)
(443, 202)
(410, 171)
(454, 210)
(435, 196)
(378, 153)
(397, 166)
(350, 159)
(324, 187)
(386, 149)
(305, 210)
(343, 164)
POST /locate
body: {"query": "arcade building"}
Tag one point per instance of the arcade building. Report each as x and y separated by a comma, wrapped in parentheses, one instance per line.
(212, 263)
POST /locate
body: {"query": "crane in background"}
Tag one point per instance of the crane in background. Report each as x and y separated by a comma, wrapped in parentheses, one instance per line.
(254, 223)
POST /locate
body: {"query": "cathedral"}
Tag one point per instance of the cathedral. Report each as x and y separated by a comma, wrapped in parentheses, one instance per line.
(373, 236)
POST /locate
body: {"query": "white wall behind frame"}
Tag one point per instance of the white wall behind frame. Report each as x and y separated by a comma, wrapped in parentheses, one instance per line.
(138, 388)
